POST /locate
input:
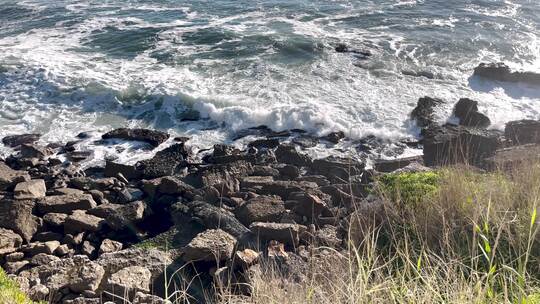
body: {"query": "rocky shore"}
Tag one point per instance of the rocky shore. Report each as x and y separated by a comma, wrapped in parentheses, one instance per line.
(74, 235)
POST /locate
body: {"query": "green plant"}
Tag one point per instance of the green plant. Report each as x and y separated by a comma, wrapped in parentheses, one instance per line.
(10, 292)
(409, 188)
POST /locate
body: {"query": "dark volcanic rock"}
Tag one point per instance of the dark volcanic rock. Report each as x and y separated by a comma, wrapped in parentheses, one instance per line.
(17, 216)
(513, 157)
(523, 131)
(285, 233)
(390, 165)
(154, 138)
(9, 177)
(211, 245)
(501, 72)
(261, 209)
(17, 140)
(66, 203)
(424, 111)
(164, 163)
(467, 112)
(337, 168)
(456, 144)
(287, 154)
(334, 137)
(9, 241)
(112, 169)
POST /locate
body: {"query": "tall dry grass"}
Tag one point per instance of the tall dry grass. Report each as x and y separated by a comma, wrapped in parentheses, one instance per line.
(472, 238)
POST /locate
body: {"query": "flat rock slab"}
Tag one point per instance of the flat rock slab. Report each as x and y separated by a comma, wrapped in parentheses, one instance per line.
(152, 137)
(285, 233)
(80, 221)
(32, 189)
(9, 241)
(130, 280)
(17, 216)
(210, 245)
(9, 177)
(17, 140)
(507, 159)
(66, 203)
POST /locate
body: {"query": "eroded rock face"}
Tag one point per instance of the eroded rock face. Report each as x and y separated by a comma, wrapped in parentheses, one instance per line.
(9, 241)
(81, 221)
(164, 163)
(17, 216)
(211, 245)
(9, 177)
(424, 113)
(152, 259)
(152, 137)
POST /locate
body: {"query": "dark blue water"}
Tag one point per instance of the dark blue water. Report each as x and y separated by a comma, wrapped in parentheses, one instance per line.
(69, 66)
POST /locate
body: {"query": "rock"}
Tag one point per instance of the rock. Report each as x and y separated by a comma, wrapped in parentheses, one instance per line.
(391, 165)
(513, 157)
(81, 221)
(211, 245)
(29, 190)
(81, 300)
(73, 240)
(67, 191)
(113, 169)
(34, 151)
(174, 186)
(17, 215)
(268, 143)
(261, 209)
(62, 250)
(43, 259)
(308, 205)
(88, 249)
(152, 137)
(108, 246)
(152, 259)
(15, 267)
(164, 163)
(459, 145)
(66, 203)
(85, 275)
(55, 220)
(9, 241)
(289, 171)
(129, 280)
(14, 257)
(245, 258)
(17, 140)
(38, 293)
(334, 137)
(288, 154)
(285, 233)
(118, 216)
(337, 168)
(320, 180)
(305, 141)
(41, 247)
(46, 236)
(265, 171)
(522, 132)
(501, 72)
(341, 48)
(424, 114)
(142, 298)
(467, 112)
(9, 177)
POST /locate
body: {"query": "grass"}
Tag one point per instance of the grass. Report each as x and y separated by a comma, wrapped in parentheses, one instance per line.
(10, 292)
(456, 235)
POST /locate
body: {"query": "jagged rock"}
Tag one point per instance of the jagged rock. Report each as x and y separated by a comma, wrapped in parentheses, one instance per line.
(34, 151)
(66, 203)
(501, 72)
(172, 185)
(63, 250)
(268, 143)
(153, 137)
(80, 221)
(245, 258)
(261, 209)
(9, 177)
(41, 247)
(285, 233)
(17, 216)
(119, 216)
(522, 132)
(15, 267)
(424, 114)
(82, 300)
(289, 171)
(38, 292)
(17, 140)
(320, 180)
(305, 141)
(88, 249)
(113, 169)
(43, 259)
(334, 137)
(101, 184)
(288, 154)
(265, 171)
(46, 236)
(391, 165)
(467, 112)
(308, 205)
(152, 259)
(14, 257)
(164, 163)
(55, 220)
(73, 240)
(337, 168)
(129, 280)
(210, 245)
(142, 298)
(456, 144)
(29, 190)
(9, 241)
(108, 246)
(67, 191)
(150, 187)
(222, 177)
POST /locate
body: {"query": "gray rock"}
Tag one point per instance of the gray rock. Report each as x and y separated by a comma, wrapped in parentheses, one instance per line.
(41, 247)
(261, 209)
(119, 216)
(55, 220)
(522, 132)
(142, 298)
(29, 190)
(17, 216)
(66, 203)
(14, 257)
(43, 259)
(129, 280)
(15, 267)
(467, 112)
(152, 137)
(80, 221)
(9, 177)
(108, 246)
(9, 241)
(152, 259)
(85, 275)
(38, 293)
(17, 140)
(285, 233)
(288, 154)
(210, 245)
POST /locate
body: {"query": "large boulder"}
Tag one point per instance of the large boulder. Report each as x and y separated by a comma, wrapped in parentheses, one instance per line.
(9, 177)
(29, 190)
(17, 140)
(424, 113)
(154, 260)
(502, 72)
(523, 131)
(337, 169)
(467, 112)
(129, 280)
(285, 233)
(113, 169)
(164, 163)
(9, 241)
(261, 209)
(17, 215)
(119, 216)
(66, 203)
(81, 221)
(152, 137)
(287, 154)
(210, 245)
(456, 144)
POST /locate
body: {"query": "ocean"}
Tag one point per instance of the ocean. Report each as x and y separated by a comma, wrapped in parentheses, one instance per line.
(209, 69)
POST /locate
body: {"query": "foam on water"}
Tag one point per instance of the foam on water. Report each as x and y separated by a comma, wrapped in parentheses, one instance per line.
(254, 66)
